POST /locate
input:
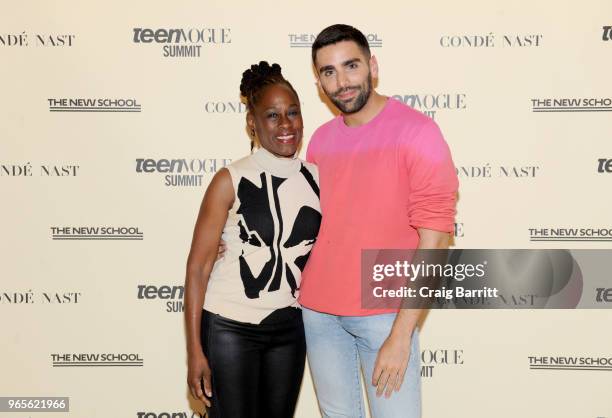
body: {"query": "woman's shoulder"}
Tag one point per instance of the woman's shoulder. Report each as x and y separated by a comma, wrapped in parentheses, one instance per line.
(242, 162)
(311, 168)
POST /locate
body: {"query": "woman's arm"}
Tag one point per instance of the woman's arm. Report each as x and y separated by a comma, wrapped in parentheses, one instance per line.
(217, 201)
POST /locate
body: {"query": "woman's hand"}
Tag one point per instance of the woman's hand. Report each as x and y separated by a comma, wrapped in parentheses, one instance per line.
(221, 250)
(198, 371)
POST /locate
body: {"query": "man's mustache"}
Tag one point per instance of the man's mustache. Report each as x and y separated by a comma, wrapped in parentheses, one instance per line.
(344, 90)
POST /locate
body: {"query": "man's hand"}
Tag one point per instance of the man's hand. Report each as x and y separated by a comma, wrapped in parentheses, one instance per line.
(391, 363)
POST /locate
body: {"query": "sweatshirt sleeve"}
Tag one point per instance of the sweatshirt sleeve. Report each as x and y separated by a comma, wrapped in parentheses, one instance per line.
(432, 181)
(310, 153)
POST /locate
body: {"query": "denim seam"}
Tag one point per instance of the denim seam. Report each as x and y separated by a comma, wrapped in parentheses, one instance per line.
(357, 386)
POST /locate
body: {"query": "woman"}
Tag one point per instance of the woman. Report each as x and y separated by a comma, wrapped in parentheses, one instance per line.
(245, 337)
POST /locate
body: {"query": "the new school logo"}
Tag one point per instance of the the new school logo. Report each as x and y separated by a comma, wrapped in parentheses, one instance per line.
(96, 233)
(566, 234)
(79, 105)
(305, 40)
(571, 104)
(586, 363)
(96, 360)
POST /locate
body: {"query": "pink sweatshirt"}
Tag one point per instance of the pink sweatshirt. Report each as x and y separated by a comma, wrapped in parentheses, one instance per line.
(379, 182)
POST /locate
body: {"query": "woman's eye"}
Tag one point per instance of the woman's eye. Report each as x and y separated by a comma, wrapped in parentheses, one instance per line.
(272, 115)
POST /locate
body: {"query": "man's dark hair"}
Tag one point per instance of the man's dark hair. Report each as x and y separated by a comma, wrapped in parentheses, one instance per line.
(337, 33)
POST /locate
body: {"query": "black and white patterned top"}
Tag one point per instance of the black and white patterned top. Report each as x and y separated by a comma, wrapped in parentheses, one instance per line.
(269, 233)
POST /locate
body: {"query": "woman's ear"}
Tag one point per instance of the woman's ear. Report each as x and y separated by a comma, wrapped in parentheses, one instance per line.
(250, 120)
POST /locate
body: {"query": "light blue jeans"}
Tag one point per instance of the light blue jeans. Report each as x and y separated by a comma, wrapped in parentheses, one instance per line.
(336, 345)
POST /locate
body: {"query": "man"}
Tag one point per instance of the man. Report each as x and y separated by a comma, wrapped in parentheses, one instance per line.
(387, 181)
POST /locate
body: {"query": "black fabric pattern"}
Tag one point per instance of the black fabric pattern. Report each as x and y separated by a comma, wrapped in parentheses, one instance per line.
(258, 230)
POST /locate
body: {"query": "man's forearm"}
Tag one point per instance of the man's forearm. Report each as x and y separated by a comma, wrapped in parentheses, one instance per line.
(404, 323)
(407, 319)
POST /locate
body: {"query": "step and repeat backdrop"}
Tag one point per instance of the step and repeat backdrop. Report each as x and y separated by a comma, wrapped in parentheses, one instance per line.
(116, 115)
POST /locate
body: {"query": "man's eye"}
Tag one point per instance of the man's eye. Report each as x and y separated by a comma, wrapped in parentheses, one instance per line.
(353, 65)
(327, 73)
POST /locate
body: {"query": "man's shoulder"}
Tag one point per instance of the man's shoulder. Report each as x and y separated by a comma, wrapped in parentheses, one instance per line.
(409, 117)
(320, 135)
(413, 128)
(325, 129)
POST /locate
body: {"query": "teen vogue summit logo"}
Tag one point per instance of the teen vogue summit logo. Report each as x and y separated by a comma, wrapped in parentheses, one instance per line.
(604, 165)
(190, 414)
(603, 295)
(179, 43)
(431, 104)
(171, 296)
(183, 171)
(430, 359)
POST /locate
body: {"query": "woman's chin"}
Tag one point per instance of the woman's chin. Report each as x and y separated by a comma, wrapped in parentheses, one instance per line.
(283, 150)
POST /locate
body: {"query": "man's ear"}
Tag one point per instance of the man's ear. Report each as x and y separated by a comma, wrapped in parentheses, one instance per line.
(373, 66)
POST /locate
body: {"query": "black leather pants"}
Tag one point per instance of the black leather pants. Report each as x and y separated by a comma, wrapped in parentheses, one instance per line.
(256, 369)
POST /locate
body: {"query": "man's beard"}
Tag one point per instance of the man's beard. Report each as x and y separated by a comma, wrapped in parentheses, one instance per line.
(358, 102)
